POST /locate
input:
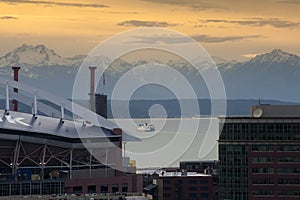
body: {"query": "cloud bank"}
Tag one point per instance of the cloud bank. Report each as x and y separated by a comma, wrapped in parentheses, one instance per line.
(274, 22)
(139, 23)
(8, 17)
(53, 3)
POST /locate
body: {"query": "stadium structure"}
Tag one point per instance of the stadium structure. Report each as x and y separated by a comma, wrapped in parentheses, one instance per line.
(47, 152)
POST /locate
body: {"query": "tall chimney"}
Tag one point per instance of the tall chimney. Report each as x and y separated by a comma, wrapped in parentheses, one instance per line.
(16, 78)
(92, 88)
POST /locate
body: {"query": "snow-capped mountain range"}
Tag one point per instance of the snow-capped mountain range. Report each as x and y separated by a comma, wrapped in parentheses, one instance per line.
(277, 56)
(273, 75)
(37, 56)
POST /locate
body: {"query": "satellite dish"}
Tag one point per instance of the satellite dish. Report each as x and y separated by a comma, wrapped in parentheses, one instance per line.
(257, 112)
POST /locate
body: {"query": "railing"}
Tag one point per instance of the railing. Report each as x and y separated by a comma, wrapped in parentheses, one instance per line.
(77, 110)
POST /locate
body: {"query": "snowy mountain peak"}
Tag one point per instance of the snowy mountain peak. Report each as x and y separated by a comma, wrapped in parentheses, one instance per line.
(36, 56)
(276, 56)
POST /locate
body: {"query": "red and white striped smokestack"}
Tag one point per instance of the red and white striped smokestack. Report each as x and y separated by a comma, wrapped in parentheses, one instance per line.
(92, 88)
(16, 78)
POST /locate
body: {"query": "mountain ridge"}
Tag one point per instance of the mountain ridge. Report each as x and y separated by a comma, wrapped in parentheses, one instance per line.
(42, 56)
(272, 75)
(276, 56)
(38, 56)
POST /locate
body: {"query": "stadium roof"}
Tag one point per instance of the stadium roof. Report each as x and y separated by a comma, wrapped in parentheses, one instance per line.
(51, 126)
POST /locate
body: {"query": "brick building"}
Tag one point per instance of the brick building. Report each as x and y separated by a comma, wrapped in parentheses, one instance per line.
(259, 155)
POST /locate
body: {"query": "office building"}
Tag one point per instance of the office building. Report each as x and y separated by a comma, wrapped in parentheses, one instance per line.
(259, 155)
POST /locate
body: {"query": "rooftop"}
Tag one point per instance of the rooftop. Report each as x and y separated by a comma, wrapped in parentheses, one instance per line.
(51, 126)
(182, 174)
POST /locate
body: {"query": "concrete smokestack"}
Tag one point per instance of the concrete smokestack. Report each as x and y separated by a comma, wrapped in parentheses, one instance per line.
(92, 88)
(16, 78)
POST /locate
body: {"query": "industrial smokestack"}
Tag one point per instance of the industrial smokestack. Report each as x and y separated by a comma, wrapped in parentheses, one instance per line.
(16, 78)
(92, 88)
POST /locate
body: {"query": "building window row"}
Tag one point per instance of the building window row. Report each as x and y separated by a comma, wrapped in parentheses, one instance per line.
(190, 195)
(262, 193)
(190, 182)
(259, 136)
(269, 181)
(196, 196)
(262, 148)
(262, 170)
(114, 188)
(282, 181)
(289, 193)
(279, 170)
(31, 188)
(263, 181)
(261, 131)
(289, 159)
(193, 181)
(288, 170)
(288, 148)
(204, 181)
(262, 159)
(265, 127)
(192, 188)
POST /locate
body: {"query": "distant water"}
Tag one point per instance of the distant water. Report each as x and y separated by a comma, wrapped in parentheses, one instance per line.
(174, 140)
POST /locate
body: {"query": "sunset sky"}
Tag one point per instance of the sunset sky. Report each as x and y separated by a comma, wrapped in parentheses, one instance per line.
(229, 29)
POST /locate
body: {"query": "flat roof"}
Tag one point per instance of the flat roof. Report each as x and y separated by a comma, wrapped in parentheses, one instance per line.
(259, 120)
(180, 174)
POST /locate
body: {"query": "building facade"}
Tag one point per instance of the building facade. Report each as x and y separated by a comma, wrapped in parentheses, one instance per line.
(260, 156)
(185, 186)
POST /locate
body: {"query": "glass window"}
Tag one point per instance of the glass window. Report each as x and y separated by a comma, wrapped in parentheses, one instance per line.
(92, 189)
(288, 148)
(289, 193)
(262, 148)
(262, 159)
(282, 181)
(192, 195)
(204, 181)
(104, 188)
(15, 189)
(124, 187)
(264, 181)
(167, 188)
(204, 195)
(262, 192)
(193, 181)
(77, 189)
(4, 189)
(115, 188)
(203, 187)
(288, 170)
(263, 170)
(288, 159)
(192, 188)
